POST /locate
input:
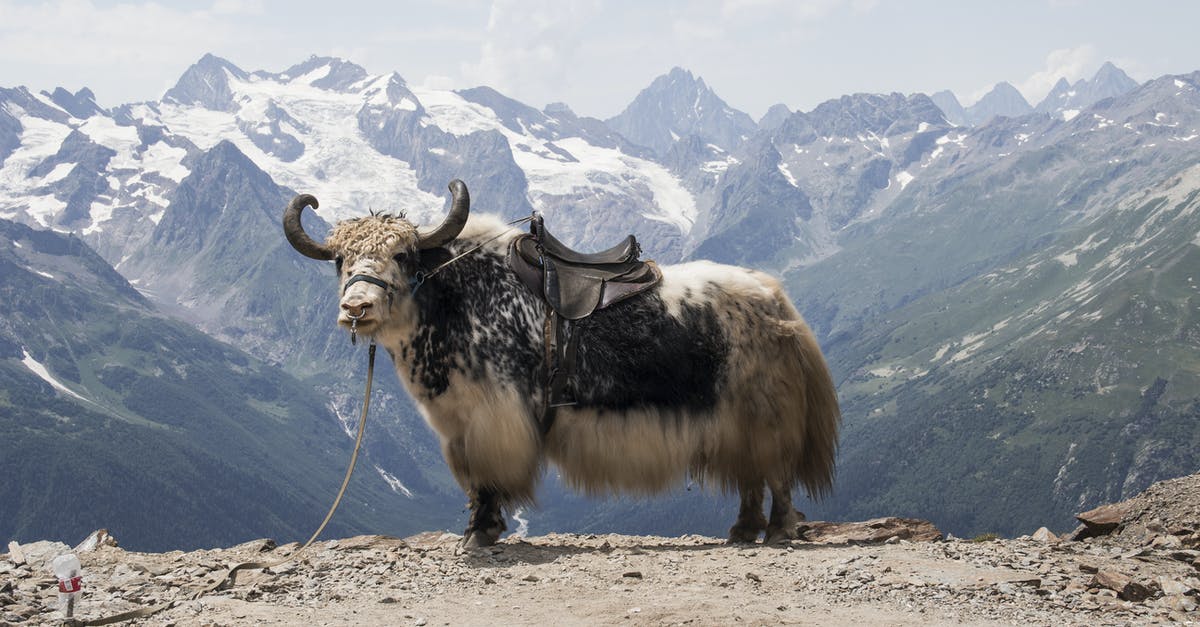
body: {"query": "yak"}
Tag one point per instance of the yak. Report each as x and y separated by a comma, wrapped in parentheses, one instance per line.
(712, 372)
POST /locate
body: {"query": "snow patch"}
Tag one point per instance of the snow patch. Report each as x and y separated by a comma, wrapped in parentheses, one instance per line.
(1069, 114)
(59, 173)
(597, 169)
(904, 178)
(1067, 259)
(787, 174)
(37, 368)
(393, 482)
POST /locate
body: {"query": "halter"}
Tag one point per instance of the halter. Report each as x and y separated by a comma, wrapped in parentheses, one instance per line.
(388, 288)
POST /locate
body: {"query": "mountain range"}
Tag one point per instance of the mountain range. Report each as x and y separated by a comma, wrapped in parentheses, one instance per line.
(1004, 292)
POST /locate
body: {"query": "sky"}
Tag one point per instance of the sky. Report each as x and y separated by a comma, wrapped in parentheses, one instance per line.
(596, 55)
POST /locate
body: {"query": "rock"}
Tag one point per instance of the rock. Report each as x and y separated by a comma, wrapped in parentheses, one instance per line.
(21, 610)
(1166, 542)
(1171, 586)
(633, 574)
(1180, 603)
(753, 577)
(38, 555)
(1100, 521)
(877, 530)
(1045, 536)
(261, 545)
(15, 555)
(1126, 588)
(95, 540)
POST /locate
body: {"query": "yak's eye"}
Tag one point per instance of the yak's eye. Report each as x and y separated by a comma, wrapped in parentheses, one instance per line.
(338, 263)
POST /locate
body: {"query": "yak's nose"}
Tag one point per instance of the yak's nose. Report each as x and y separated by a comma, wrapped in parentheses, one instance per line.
(356, 309)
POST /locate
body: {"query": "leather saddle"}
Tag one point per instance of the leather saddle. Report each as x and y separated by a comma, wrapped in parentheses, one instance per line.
(573, 285)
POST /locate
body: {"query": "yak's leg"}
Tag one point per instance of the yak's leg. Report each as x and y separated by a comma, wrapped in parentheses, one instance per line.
(784, 518)
(750, 521)
(487, 519)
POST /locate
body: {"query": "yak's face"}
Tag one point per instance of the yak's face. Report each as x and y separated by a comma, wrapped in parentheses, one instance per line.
(376, 259)
(376, 256)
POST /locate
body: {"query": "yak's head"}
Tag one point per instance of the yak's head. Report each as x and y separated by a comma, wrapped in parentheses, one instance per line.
(377, 256)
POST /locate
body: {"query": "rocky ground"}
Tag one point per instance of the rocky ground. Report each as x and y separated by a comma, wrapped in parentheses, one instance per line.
(1135, 562)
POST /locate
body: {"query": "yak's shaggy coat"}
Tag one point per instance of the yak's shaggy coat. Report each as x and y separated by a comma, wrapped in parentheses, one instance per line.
(712, 373)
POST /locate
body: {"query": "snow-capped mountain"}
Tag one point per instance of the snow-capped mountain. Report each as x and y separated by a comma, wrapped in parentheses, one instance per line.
(357, 142)
(790, 190)
(1066, 100)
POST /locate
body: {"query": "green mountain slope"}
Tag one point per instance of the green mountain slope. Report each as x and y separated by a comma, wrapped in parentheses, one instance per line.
(1065, 378)
(112, 415)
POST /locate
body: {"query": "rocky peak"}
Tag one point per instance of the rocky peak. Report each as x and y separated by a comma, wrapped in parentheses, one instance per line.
(1067, 99)
(774, 117)
(559, 110)
(678, 104)
(883, 115)
(341, 74)
(1003, 100)
(81, 104)
(206, 83)
(951, 107)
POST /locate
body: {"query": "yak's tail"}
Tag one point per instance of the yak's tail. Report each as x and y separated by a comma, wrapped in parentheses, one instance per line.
(814, 467)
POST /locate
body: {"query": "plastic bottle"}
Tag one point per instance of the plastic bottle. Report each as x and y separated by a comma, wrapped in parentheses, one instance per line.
(70, 579)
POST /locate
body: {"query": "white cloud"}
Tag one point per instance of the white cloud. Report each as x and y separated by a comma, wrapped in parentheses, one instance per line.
(237, 7)
(80, 43)
(794, 9)
(1069, 63)
(529, 49)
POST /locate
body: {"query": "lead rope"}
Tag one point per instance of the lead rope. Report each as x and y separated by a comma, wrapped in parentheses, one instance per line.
(231, 575)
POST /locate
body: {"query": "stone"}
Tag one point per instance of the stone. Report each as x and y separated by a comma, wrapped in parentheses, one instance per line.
(1180, 603)
(1101, 521)
(1125, 587)
(1044, 536)
(1166, 542)
(39, 555)
(15, 555)
(633, 574)
(874, 531)
(1171, 586)
(95, 540)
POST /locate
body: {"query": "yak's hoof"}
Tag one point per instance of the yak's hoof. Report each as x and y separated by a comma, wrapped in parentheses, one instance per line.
(743, 535)
(781, 536)
(477, 539)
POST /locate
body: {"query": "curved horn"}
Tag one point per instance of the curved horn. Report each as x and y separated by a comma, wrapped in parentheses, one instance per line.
(295, 233)
(454, 222)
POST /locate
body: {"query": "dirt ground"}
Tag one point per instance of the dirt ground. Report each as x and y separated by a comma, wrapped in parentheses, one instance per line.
(881, 572)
